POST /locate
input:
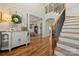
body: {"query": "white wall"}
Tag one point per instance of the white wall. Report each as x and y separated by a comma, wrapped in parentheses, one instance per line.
(23, 9)
(52, 16)
(72, 9)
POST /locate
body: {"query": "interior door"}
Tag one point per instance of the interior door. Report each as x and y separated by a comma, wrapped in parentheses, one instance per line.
(36, 29)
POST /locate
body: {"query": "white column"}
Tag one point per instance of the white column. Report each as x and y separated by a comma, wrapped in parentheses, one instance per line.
(28, 26)
(43, 27)
(28, 18)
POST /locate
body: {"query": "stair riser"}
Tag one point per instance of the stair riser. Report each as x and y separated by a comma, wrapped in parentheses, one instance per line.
(65, 52)
(69, 40)
(75, 36)
(71, 30)
(77, 20)
(71, 23)
(77, 26)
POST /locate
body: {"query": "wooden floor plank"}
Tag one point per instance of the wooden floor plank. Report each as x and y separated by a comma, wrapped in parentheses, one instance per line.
(37, 47)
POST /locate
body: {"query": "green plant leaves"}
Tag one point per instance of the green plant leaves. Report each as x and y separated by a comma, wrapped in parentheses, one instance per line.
(16, 19)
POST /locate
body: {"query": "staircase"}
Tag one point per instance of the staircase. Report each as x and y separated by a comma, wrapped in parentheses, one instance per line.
(68, 44)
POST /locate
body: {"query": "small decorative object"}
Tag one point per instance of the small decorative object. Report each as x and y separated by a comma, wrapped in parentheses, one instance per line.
(16, 19)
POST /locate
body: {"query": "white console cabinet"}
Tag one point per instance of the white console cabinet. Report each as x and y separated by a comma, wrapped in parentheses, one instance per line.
(14, 39)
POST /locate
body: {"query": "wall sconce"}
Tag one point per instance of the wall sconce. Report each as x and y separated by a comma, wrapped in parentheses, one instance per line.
(0, 17)
(4, 17)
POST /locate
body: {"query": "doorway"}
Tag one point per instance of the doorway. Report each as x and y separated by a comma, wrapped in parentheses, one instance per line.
(35, 26)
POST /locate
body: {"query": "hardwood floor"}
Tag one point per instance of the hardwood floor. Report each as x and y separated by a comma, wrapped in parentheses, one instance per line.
(37, 47)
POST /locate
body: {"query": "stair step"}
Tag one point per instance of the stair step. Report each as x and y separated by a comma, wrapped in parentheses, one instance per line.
(59, 53)
(69, 44)
(70, 41)
(70, 35)
(77, 26)
(74, 30)
(65, 52)
(69, 38)
(73, 50)
(72, 20)
(74, 23)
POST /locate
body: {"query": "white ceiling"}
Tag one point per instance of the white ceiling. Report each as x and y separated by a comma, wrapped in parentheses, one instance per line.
(37, 8)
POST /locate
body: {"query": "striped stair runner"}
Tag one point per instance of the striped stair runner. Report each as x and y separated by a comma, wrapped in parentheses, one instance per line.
(68, 44)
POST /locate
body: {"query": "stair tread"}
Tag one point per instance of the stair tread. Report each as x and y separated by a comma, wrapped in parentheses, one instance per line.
(59, 53)
(71, 32)
(65, 52)
(76, 28)
(73, 50)
(71, 22)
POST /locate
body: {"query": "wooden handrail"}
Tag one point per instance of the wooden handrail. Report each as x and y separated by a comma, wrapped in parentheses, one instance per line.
(52, 40)
(57, 18)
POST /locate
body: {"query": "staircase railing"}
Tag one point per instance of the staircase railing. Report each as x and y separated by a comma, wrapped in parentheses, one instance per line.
(54, 7)
(59, 23)
(57, 28)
